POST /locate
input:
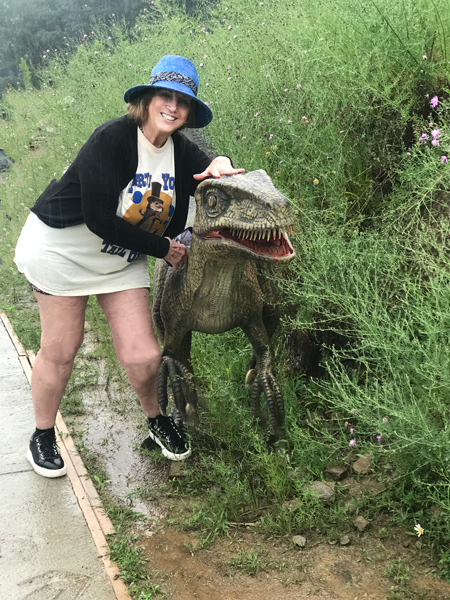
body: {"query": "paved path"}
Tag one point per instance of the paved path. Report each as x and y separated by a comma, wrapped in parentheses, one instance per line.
(46, 548)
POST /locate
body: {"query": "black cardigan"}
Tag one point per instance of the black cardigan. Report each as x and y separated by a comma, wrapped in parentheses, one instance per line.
(89, 190)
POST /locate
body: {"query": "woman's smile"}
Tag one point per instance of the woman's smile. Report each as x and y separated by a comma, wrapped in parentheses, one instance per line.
(167, 112)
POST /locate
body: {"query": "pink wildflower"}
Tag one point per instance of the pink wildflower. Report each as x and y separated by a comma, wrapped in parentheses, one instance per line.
(435, 143)
(379, 438)
(385, 419)
(352, 443)
(434, 101)
(85, 36)
(229, 28)
(424, 57)
(435, 133)
(351, 429)
(228, 68)
(201, 64)
(444, 159)
(286, 90)
(95, 53)
(256, 114)
(346, 423)
(271, 136)
(234, 37)
(303, 118)
(289, 122)
(229, 78)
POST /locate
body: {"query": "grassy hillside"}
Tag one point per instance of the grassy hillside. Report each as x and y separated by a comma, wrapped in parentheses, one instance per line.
(346, 105)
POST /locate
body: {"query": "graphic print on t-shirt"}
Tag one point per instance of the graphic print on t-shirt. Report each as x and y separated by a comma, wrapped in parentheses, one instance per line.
(149, 199)
(152, 210)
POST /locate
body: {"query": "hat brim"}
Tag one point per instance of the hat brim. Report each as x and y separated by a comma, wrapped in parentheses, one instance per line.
(203, 114)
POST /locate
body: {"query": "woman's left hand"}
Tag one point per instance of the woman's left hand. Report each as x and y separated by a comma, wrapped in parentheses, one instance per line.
(219, 166)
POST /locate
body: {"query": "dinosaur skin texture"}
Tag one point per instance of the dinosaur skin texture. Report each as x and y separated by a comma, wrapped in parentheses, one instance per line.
(239, 235)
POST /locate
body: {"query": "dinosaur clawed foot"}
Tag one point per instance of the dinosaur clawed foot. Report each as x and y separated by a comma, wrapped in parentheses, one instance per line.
(265, 383)
(185, 398)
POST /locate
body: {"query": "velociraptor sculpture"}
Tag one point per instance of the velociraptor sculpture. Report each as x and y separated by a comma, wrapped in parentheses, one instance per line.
(239, 233)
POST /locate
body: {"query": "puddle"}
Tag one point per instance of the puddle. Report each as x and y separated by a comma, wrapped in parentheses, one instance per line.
(113, 428)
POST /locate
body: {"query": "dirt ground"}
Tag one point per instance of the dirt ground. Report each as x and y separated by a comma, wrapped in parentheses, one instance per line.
(319, 570)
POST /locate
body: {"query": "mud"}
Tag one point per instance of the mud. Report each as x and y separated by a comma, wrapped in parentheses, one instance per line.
(319, 571)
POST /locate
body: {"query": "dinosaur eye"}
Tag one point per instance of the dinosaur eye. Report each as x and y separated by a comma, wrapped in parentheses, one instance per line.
(212, 200)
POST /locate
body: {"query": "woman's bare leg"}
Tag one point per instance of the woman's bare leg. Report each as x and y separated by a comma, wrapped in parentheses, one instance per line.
(137, 349)
(62, 323)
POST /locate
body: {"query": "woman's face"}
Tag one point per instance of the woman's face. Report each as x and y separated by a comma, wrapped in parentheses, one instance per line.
(167, 112)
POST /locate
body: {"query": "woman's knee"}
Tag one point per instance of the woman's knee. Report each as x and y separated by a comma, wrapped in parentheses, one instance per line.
(61, 351)
(146, 359)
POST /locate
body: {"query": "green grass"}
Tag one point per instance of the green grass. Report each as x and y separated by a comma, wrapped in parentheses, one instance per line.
(331, 100)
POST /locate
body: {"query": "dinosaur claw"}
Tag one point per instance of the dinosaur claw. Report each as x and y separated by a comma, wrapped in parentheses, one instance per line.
(183, 388)
(250, 377)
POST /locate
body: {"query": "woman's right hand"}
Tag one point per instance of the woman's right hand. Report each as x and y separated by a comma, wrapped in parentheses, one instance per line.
(178, 254)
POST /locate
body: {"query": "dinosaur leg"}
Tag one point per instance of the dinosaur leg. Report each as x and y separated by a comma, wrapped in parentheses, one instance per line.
(264, 380)
(178, 372)
(270, 310)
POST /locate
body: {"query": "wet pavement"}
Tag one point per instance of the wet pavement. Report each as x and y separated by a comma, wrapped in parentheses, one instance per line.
(47, 550)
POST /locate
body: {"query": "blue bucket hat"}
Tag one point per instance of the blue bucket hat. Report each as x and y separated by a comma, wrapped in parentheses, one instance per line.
(179, 74)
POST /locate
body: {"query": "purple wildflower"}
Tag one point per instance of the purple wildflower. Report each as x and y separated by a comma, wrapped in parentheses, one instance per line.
(444, 159)
(379, 438)
(434, 101)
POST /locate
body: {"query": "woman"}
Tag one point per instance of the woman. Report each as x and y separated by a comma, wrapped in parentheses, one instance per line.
(124, 198)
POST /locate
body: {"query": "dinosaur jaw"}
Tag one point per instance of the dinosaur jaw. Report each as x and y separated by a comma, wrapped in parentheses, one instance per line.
(272, 244)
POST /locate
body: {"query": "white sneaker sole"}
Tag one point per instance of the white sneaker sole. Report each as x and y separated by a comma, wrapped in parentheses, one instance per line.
(167, 453)
(49, 473)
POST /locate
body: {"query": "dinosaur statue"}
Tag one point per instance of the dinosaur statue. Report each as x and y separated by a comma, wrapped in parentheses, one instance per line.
(239, 234)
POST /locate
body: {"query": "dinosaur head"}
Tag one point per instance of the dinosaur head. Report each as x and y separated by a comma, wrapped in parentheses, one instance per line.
(243, 216)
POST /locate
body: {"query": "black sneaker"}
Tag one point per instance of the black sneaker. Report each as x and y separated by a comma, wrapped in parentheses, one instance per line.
(169, 438)
(44, 456)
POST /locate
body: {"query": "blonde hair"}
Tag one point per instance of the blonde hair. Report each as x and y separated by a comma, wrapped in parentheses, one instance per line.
(138, 109)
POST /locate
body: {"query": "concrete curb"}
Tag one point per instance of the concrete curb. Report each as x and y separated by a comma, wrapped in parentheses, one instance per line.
(90, 504)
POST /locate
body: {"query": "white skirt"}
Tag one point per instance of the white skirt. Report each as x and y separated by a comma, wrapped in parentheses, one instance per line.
(75, 262)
